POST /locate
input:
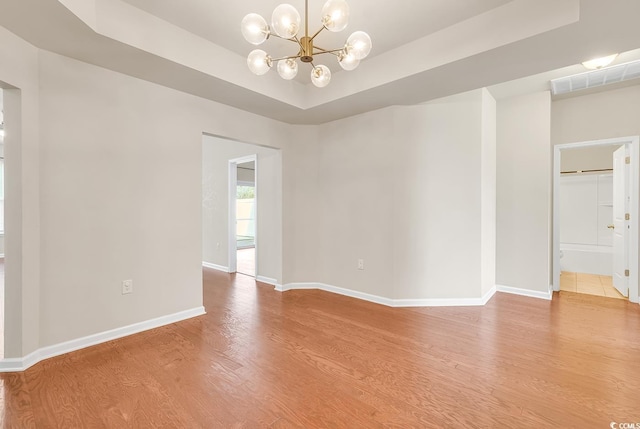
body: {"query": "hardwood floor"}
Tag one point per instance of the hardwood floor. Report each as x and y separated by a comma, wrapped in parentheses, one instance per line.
(311, 359)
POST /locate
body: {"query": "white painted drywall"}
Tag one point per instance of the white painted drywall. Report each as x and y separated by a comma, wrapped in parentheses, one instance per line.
(438, 201)
(302, 203)
(587, 158)
(405, 184)
(356, 181)
(524, 192)
(598, 116)
(216, 153)
(488, 192)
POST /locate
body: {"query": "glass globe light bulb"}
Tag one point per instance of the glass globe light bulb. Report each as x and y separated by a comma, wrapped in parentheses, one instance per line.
(259, 62)
(358, 45)
(288, 69)
(335, 15)
(254, 29)
(348, 61)
(321, 76)
(285, 21)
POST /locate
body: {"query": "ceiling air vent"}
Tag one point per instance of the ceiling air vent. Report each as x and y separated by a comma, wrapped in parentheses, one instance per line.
(596, 78)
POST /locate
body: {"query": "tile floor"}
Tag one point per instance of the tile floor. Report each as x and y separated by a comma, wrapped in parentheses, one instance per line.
(591, 284)
(247, 261)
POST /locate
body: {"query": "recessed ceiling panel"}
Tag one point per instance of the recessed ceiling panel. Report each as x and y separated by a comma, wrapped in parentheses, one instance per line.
(219, 21)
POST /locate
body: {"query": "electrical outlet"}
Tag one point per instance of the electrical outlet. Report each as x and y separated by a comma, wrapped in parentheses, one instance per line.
(218, 246)
(361, 264)
(127, 287)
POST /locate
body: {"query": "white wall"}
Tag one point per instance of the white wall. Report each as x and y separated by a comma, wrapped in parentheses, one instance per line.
(406, 184)
(602, 115)
(524, 192)
(216, 153)
(439, 201)
(356, 180)
(488, 192)
(587, 158)
(302, 215)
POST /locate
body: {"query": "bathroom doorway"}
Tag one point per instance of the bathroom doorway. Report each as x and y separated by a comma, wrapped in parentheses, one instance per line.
(595, 218)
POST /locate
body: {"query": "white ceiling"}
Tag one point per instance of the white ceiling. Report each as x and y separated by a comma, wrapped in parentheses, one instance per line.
(422, 49)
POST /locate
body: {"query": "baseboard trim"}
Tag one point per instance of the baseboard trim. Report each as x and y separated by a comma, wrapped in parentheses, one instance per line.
(356, 294)
(490, 293)
(434, 302)
(525, 292)
(215, 267)
(21, 364)
(267, 280)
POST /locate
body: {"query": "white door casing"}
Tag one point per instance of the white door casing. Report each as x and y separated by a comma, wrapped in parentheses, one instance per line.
(233, 245)
(620, 224)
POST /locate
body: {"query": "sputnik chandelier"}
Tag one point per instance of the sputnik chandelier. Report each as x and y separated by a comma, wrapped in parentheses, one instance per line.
(285, 24)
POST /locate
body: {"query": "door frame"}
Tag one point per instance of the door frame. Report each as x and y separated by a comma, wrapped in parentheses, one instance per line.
(233, 183)
(633, 143)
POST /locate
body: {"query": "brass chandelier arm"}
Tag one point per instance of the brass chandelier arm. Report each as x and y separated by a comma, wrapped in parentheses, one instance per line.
(318, 32)
(293, 39)
(292, 57)
(269, 35)
(325, 51)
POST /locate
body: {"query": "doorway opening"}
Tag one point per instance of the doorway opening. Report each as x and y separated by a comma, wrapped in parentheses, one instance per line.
(595, 218)
(243, 205)
(246, 218)
(262, 235)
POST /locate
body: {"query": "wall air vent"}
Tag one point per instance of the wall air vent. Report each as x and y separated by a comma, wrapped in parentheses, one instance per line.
(596, 78)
